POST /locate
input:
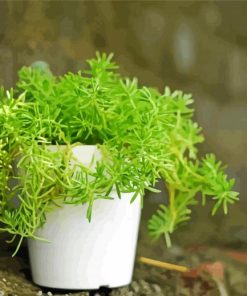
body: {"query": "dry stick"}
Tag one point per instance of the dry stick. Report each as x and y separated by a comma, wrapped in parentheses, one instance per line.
(163, 264)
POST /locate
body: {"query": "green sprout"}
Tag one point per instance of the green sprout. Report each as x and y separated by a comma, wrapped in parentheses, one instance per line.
(144, 135)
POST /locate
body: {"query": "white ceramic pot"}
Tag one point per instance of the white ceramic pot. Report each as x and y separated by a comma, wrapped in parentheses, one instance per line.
(83, 255)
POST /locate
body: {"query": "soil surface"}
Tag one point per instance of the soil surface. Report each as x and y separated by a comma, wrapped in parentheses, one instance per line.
(227, 276)
(216, 256)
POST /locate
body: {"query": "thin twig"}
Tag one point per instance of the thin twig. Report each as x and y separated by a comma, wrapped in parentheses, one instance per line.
(162, 264)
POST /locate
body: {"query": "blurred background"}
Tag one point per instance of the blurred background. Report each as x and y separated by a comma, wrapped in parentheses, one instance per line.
(196, 46)
(199, 47)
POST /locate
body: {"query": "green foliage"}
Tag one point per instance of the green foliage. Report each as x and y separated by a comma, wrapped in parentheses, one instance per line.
(143, 134)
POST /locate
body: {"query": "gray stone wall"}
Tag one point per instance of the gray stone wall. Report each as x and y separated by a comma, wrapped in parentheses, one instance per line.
(200, 47)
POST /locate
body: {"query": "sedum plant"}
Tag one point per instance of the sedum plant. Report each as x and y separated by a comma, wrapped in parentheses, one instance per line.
(143, 135)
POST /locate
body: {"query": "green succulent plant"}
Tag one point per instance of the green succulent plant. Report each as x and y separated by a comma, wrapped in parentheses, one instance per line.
(144, 135)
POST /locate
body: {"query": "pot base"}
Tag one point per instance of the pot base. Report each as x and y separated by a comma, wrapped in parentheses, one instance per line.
(83, 255)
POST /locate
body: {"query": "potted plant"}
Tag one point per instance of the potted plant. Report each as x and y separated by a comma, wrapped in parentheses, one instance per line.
(89, 144)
